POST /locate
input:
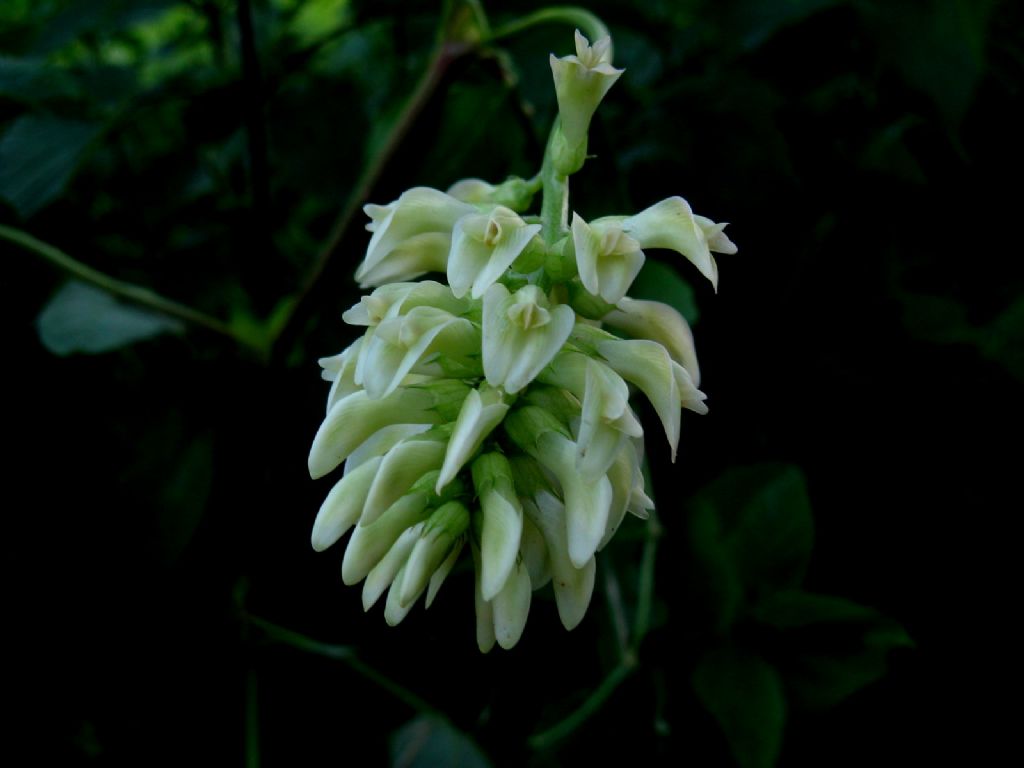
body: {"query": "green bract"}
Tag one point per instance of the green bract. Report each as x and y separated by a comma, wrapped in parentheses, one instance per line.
(494, 409)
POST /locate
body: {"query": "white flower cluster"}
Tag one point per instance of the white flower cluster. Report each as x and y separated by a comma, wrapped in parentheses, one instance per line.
(494, 410)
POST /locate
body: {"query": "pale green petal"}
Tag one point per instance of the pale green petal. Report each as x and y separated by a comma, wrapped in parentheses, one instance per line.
(418, 211)
(484, 246)
(343, 505)
(394, 610)
(442, 571)
(573, 586)
(512, 607)
(420, 254)
(513, 354)
(670, 224)
(382, 441)
(440, 534)
(587, 500)
(484, 612)
(608, 260)
(353, 419)
(658, 322)
(534, 551)
(402, 466)
(369, 543)
(581, 81)
(647, 365)
(476, 421)
(383, 574)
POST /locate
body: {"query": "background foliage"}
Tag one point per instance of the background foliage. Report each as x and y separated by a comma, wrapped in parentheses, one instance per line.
(863, 360)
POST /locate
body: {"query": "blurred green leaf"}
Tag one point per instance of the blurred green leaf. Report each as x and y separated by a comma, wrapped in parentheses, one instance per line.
(754, 22)
(38, 155)
(80, 318)
(818, 680)
(795, 608)
(31, 79)
(936, 319)
(659, 282)
(744, 694)
(938, 46)
(1003, 340)
(762, 528)
(428, 741)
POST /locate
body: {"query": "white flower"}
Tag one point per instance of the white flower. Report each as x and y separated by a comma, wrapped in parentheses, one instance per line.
(522, 332)
(393, 348)
(482, 410)
(581, 81)
(484, 246)
(665, 383)
(410, 233)
(607, 258)
(502, 516)
(671, 224)
(356, 417)
(661, 323)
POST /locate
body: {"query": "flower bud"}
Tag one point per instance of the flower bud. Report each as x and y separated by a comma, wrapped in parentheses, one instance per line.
(343, 505)
(402, 466)
(511, 606)
(440, 533)
(482, 410)
(573, 586)
(383, 574)
(369, 543)
(514, 192)
(355, 418)
(581, 81)
(502, 517)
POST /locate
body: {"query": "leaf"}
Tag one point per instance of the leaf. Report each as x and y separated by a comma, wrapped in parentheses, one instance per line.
(939, 47)
(84, 319)
(1003, 340)
(744, 694)
(822, 680)
(428, 741)
(755, 21)
(763, 525)
(659, 282)
(833, 646)
(791, 609)
(38, 155)
(31, 79)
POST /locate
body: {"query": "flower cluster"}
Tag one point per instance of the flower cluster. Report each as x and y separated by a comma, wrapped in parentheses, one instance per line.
(493, 410)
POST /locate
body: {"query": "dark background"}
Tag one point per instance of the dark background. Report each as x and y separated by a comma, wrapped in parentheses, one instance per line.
(866, 340)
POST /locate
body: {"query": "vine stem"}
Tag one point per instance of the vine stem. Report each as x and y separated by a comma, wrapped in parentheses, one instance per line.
(629, 653)
(348, 655)
(574, 16)
(130, 291)
(446, 52)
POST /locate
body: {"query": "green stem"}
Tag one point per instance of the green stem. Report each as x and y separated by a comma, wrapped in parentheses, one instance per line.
(252, 720)
(546, 738)
(570, 15)
(645, 585)
(345, 653)
(554, 208)
(120, 288)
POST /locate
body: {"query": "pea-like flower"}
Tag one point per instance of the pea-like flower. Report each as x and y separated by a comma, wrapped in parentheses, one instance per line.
(489, 419)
